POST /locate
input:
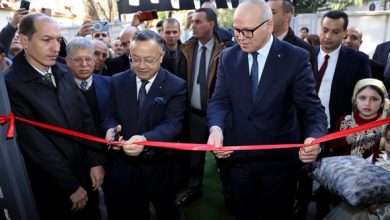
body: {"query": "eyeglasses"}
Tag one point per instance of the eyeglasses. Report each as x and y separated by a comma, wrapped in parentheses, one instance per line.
(148, 61)
(246, 32)
(125, 43)
(82, 59)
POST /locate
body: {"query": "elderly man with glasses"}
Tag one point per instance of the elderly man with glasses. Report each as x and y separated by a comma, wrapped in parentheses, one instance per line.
(262, 83)
(147, 104)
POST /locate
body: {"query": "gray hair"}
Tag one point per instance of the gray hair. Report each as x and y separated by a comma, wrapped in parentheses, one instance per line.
(146, 35)
(265, 8)
(79, 43)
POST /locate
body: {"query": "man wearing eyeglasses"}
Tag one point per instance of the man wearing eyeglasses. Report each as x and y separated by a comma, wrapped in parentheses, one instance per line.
(147, 104)
(261, 85)
(95, 88)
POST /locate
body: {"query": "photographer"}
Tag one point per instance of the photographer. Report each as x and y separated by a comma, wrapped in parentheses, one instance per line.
(8, 32)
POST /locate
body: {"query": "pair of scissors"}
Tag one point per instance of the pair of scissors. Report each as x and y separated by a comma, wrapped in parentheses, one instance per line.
(115, 137)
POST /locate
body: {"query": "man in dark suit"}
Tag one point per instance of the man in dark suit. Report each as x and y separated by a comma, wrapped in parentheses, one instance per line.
(354, 39)
(282, 12)
(122, 63)
(261, 84)
(147, 103)
(63, 170)
(94, 87)
(345, 66)
(381, 53)
(340, 67)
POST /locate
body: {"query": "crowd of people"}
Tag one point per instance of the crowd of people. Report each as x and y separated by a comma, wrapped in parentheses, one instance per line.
(256, 83)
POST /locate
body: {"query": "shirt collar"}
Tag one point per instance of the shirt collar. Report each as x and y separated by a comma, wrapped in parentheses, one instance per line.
(40, 71)
(209, 44)
(331, 54)
(151, 80)
(264, 51)
(88, 80)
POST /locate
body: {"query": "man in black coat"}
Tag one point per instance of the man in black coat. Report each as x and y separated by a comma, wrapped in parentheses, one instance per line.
(64, 172)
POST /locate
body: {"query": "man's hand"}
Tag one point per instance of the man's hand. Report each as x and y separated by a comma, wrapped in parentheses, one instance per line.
(18, 15)
(216, 139)
(135, 22)
(79, 199)
(97, 176)
(132, 149)
(309, 152)
(110, 135)
(85, 29)
(188, 21)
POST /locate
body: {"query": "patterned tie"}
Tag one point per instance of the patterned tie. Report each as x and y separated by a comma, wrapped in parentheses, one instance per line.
(202, 80)
(49, 76)
(142, 94)
(322, 70)
(83, 85)
(254, 75)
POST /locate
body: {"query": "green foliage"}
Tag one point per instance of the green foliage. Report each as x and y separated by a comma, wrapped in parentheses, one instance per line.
(312, 6)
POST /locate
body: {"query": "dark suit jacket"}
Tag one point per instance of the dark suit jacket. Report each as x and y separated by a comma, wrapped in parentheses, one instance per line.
(102, 90)
(286, 86)
(351, 66)
(382, 52)
(118, 64)
(296, 41)
(57, 164)
(163, 109)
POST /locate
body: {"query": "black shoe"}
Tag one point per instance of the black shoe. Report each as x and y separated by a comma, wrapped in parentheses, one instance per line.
(187, 198)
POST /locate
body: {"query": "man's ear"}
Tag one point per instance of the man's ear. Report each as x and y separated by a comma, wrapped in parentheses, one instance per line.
(23, 39)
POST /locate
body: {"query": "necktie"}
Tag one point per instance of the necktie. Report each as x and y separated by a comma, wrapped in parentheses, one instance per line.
(386, 73)
(254, 75)
(142, 94)
(322, 70)
(202, 80)
(49, 76)
(83, 85)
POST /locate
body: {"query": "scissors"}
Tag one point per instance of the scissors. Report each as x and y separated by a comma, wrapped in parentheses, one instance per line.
(115, 137)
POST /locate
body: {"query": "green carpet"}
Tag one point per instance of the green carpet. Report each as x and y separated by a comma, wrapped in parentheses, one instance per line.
(210, 206)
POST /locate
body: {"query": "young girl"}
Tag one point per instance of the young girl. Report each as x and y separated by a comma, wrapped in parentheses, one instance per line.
(370, 103)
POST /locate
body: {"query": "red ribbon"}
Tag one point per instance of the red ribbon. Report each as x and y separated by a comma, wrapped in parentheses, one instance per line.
(185, 146)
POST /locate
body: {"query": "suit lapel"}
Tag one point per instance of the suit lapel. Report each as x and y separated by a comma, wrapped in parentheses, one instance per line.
(269, 72)
(243, 78)
(154, 91)
(100, 92)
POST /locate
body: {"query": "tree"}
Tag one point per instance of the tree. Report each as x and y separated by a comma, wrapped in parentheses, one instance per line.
(101, 9)
(312, 6)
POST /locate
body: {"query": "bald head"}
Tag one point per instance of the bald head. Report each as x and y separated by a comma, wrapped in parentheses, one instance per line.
(125, 37)
(210, 5)
(353, 38)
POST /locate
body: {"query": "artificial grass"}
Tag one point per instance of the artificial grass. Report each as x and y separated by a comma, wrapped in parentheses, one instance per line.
(211, 205)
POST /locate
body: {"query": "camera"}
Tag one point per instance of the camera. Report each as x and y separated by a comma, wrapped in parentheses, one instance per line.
(100, 26)
(25, 4)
